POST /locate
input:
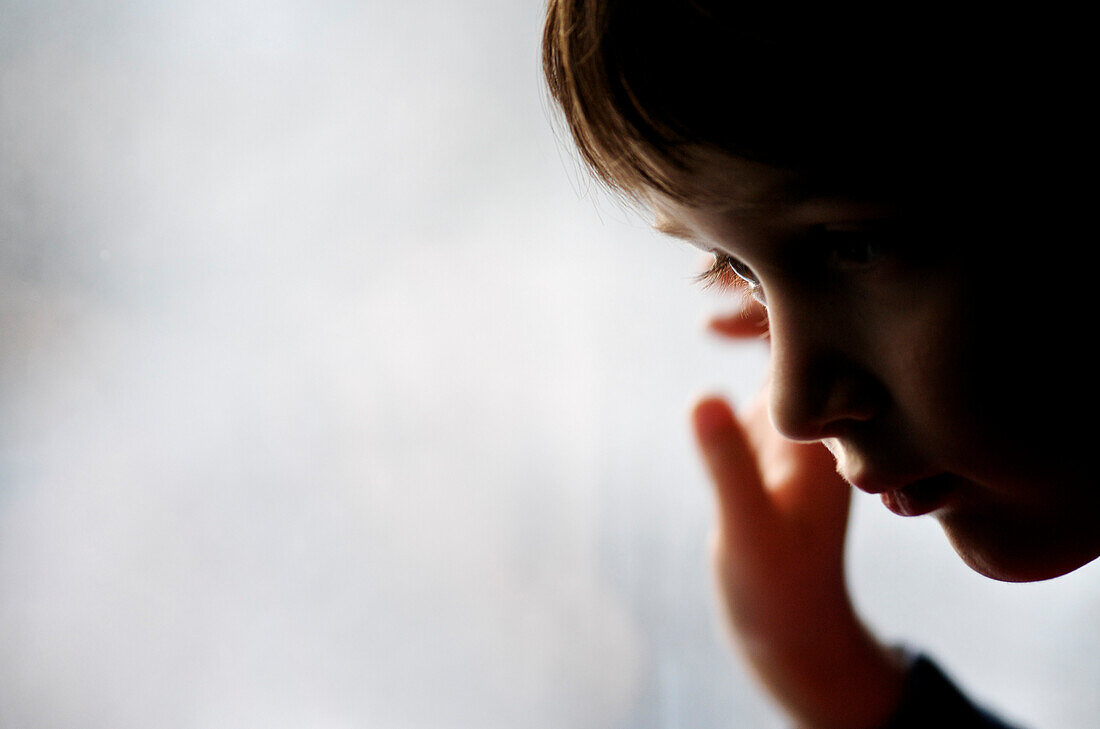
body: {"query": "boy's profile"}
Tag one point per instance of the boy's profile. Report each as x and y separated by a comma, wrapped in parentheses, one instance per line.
(899, 199)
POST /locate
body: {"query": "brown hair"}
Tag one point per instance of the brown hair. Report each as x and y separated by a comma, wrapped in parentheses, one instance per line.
(623, 145)
(644, 86)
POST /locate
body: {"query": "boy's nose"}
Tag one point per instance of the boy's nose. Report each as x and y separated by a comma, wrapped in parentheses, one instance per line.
(819, 382)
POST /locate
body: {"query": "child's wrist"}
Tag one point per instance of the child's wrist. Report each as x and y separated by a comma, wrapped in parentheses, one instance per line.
(844, 679)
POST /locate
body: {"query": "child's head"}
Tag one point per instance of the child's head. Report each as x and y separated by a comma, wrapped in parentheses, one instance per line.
(889, 197)
(889, 100)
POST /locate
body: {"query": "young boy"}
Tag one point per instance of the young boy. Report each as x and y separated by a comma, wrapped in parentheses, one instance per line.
(884, 189)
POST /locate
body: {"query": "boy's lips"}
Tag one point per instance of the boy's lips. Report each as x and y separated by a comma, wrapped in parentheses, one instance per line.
(920, 497)
(909, 497)
(875, 481)
(912, 487)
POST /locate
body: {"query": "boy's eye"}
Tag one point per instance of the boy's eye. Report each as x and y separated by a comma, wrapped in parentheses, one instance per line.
(846, 246)
(742, 272)
(745, 274)
(856, 249)
(730, 273)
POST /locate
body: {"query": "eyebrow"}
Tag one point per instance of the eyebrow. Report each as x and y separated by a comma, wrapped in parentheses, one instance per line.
(750, 201)
(668, 226)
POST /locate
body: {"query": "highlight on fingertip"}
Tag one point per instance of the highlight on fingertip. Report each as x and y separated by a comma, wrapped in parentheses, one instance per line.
(711, 413)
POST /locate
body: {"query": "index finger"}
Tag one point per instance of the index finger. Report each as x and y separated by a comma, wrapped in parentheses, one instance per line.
(743, 502)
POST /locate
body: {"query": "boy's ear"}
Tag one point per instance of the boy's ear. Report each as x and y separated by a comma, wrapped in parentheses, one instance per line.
(748, 322)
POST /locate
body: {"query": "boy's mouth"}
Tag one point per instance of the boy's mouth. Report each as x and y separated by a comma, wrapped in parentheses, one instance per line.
(908, 496)
(912, 491)
(920, 497)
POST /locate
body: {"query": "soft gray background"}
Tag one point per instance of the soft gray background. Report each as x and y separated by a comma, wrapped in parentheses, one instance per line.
(329, 398)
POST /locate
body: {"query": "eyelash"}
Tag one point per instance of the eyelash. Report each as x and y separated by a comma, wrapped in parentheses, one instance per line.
(724, 276)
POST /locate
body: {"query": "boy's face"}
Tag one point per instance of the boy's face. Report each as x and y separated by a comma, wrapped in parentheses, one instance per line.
(938, 350)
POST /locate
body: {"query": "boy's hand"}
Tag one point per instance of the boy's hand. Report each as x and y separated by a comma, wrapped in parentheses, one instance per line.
(779, 562)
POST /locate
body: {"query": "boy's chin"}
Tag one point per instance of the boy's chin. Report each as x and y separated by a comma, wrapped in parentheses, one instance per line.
(1015, 553)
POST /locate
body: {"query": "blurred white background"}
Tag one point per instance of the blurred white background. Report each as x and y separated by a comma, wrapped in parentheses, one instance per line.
(330, 397)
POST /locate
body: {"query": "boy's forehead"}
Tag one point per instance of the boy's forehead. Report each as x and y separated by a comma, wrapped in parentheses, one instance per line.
(722, 181)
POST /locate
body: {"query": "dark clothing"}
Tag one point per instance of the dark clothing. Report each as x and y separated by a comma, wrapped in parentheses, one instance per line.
(930, 699)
